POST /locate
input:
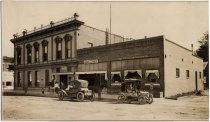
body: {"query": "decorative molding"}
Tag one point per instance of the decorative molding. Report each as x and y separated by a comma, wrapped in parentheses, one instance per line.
(44, 43)
(28, 46)
(58, 39)
(36, 45)
(68, 37)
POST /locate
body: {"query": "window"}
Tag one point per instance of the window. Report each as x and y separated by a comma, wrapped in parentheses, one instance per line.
(177, 72)
(200, 75)
(37, 82)
(36, 52)
(18, 50)
(187, 74)
(29, 79)
(68, 44)
(28, 46)
(58, 47)
(19, 79)
(8, 83)
(45, 50)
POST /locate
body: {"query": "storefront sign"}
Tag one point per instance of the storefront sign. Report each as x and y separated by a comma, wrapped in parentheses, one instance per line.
(94, 61)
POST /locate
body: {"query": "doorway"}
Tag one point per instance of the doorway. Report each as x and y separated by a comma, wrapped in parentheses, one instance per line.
(196, 81)
(63, 81)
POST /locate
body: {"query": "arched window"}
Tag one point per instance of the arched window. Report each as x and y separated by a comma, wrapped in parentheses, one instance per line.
(58, 41)
(68, 45)
(18, 50)
(36, 52)
(29, 47)
(45, 50)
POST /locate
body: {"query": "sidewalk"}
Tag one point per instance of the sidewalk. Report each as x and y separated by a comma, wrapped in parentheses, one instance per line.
(104, 97)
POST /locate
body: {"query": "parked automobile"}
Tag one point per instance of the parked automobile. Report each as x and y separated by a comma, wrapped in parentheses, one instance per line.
(77, 89)
(132, 92)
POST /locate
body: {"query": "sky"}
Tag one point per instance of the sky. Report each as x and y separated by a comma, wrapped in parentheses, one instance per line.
(181, 22)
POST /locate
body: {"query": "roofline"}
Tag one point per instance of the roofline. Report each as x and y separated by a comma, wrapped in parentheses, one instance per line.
(103, 31)
(183, 48)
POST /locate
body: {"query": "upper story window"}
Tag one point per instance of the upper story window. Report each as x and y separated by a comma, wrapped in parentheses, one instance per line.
(58, 41)
(36, 52)
(29, 55)
(68, 45)
(18, 50)
(187, 74)
(45, 50)
(177, 72)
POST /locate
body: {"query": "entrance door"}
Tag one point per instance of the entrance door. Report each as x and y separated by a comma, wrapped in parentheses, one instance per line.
(196, 81)
(63, 81)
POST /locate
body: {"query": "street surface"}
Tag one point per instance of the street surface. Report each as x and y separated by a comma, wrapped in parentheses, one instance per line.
(45, 108)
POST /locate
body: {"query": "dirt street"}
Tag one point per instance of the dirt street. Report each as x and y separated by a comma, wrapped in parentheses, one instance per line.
(43, 108)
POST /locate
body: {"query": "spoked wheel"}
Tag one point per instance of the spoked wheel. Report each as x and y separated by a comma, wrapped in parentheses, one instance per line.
(121, 98)
(150, 99)
(92, 97)
(142, 100)
(60, 95)
(80, 96)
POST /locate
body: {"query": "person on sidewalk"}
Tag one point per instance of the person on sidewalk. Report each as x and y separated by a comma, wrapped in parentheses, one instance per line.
(56, 87)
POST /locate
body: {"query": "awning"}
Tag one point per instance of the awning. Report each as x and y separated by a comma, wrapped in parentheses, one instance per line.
(132, 71)
(116, 73)
(156, 72)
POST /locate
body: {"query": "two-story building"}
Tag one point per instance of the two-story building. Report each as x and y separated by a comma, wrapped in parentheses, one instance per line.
(67, 50)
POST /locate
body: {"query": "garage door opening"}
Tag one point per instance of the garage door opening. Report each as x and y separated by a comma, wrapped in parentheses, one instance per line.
(95, 81)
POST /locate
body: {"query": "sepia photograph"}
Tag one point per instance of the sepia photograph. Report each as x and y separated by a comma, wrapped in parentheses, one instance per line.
(105, 61)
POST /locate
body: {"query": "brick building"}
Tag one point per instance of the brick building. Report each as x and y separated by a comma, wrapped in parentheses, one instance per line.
(70, 50)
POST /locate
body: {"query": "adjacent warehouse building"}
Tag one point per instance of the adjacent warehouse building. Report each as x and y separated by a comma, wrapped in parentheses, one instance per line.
(67, 50)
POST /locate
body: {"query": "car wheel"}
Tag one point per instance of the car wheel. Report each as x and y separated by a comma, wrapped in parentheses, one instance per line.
(92, 97)
(150, 99)
(121, 98)
(142, 100)
(60, 95)
(80, 96)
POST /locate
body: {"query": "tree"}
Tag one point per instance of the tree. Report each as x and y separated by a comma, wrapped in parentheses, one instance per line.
(203, 50)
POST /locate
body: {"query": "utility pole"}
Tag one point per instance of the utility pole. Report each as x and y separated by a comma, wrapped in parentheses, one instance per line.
(110, 23)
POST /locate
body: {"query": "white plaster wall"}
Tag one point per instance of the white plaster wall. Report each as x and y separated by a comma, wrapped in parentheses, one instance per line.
(173, 55)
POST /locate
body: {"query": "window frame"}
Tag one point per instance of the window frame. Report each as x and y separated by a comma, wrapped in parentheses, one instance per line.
(187, 74)
(177, 73)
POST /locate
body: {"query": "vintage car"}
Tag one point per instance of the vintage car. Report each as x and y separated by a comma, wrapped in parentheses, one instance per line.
(132, 92)
(77, 89)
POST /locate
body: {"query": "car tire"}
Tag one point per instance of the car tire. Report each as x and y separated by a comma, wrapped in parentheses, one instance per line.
(80, 96)
(150, 99)
(141, 100)
(92, 97)
(121, 98)
(60, 95)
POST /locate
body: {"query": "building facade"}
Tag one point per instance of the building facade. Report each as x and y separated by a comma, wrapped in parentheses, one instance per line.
(8, 73)
(71, 50)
